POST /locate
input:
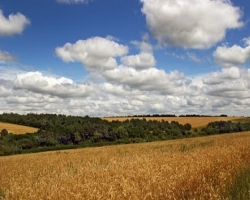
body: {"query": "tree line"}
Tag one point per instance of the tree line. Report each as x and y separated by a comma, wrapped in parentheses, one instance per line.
(57, 132)
(225, 127)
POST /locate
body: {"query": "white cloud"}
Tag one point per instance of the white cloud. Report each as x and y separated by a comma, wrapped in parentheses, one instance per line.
(145, 59)
(190, 24)
(72, 1)
(230, 83)
(61, 87)
(6, 57)
(95, 53)
(14, 24)
(144, 46)
(151, 79)
(232, 56)
(133, 87)
(140, 61)
(5, 88)
(158, 93)
(234, 90)
(113, 89)
(227, 74)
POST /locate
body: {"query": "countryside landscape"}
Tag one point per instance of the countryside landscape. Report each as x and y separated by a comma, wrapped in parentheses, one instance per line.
(193, 164)
(124, 100)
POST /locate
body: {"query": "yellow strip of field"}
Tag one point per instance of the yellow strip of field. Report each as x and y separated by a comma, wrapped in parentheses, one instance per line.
(17, 129)
(194, 168)
(194, 121)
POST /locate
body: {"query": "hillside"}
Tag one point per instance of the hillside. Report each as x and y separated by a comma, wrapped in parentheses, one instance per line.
(194, 168)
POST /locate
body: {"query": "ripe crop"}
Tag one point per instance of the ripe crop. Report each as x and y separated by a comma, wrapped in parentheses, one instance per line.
(194, 121)
(195, 168)
(17, 129)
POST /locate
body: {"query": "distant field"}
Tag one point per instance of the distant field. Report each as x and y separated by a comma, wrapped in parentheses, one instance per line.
(17, 129)
(194, 168)
(194, 121)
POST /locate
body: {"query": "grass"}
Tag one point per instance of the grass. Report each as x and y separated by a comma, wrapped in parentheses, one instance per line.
(240, 187)
(2, 194)
(192, 146)
(17, 129)
(194, 121)
(158, 170)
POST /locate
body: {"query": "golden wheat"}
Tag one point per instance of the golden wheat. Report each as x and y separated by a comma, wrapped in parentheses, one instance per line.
(17, 129)
(197, 168)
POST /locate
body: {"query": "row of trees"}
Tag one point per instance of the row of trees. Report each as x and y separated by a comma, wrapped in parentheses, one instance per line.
(154, 115)
(61, 132)
(195, 115)
(225, 127)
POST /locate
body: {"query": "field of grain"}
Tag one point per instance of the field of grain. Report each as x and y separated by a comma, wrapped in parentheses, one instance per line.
(194, 121)
(195, 168)
(17, 129)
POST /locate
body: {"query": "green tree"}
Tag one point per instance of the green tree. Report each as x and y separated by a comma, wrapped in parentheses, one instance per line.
(3, 133)
(121, 132)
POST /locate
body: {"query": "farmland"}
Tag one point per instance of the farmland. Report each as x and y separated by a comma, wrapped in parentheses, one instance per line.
(17, 129)
(57, 132)
(194, 168)
(194, 121)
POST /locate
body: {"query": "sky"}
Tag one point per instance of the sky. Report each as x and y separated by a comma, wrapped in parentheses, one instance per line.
(125, 57)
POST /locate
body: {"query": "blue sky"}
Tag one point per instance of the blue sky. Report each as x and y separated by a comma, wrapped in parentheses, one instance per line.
(120, 57)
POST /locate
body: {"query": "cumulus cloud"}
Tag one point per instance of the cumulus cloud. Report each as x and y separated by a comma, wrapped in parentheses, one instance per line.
(232, 56)
(5, 88)
(94, 53)
(140, 61)
(231, 90)
(190, 24)
(145, 59)
(230, 83)
(35, 92)
(14, 24)
(227, 74)
(151, 79)
(61, 87)
(117, 90)
(6, 57)
(72, 1)
(135, 86)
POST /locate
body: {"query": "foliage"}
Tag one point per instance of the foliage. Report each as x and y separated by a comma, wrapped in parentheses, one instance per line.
(61, 132)
(225, 127)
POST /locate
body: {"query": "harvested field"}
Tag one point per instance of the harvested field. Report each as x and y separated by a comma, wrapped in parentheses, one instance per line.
(195, 168)
(17, 129)
(194, 121)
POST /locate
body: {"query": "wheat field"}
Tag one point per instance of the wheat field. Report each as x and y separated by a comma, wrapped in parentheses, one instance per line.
(17, 129)
(195, 168)
(194, 121)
